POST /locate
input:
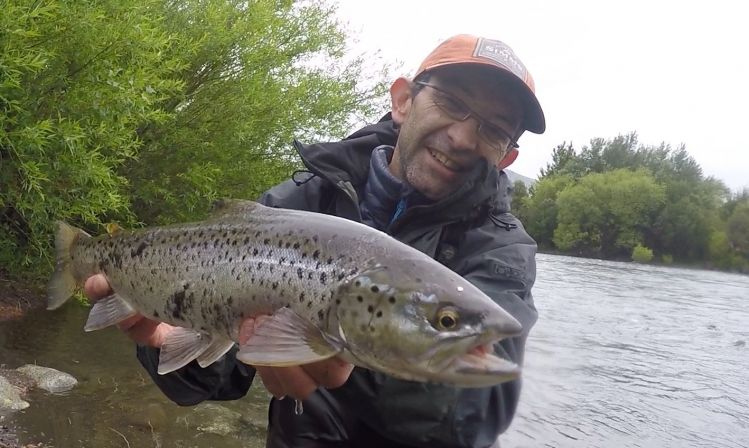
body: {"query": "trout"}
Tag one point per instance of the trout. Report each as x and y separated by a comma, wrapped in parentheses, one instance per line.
(331, 287)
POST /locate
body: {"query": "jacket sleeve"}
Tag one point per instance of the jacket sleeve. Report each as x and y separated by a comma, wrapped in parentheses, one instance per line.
(226, 379)
(502, 264)
(505, 270)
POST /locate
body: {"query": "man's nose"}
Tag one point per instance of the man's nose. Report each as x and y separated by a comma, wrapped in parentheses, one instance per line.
(464, 134)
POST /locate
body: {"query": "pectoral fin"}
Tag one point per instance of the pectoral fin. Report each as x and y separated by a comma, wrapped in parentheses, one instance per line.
(110, 310)
(287, 339)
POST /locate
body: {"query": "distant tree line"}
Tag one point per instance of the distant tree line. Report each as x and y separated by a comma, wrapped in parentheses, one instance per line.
(145, 111)
(617, 199)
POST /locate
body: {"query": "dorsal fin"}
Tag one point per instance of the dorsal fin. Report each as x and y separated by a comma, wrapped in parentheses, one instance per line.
(233, 208)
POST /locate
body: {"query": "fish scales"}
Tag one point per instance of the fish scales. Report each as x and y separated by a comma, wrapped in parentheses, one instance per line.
(331, 287)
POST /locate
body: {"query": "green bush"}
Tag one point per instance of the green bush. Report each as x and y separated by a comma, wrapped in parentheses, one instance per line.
(642, 254)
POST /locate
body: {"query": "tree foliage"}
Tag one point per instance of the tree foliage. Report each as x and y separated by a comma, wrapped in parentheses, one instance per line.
(607, 213)
(145, 111)
(614, 195)
(76, 79)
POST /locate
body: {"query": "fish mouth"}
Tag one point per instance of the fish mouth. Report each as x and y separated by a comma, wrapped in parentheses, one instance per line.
(482, 367)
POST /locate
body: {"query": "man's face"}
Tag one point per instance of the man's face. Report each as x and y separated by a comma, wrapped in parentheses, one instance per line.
(436, 152)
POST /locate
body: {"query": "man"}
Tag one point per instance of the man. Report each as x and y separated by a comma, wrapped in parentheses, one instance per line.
(428, 174)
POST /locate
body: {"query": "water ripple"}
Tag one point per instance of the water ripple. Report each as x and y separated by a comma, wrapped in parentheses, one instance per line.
(628, 355)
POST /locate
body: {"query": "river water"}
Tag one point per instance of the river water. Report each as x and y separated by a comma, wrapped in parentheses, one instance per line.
(623, 355)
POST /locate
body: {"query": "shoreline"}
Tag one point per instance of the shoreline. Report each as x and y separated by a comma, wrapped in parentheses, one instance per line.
(17, 299)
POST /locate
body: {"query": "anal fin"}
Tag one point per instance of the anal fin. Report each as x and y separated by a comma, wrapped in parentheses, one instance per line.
(181, 346)
(110, 310)
(216, 350)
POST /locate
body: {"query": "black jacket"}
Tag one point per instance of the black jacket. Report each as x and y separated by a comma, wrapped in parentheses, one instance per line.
(473, 233)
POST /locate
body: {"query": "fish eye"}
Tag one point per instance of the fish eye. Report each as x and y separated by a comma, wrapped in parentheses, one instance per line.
(447, 319)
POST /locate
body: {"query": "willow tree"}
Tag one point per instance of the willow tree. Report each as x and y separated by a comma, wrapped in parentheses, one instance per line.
(145, 111)
(257, 76)
(76, 80)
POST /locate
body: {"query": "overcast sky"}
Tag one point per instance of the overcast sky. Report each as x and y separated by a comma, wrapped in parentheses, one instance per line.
(673, 71)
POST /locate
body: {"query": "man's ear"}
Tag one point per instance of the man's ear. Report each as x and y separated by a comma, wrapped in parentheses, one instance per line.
(400, 99)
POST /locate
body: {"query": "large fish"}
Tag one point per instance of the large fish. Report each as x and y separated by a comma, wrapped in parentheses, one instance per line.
(332, 287)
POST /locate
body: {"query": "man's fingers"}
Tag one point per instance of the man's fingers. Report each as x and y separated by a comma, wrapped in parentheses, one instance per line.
(331, 373)
(295, 382)
(270, 381)
(97, 287)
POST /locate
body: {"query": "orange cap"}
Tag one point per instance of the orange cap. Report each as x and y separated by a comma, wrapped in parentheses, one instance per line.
(467, 49)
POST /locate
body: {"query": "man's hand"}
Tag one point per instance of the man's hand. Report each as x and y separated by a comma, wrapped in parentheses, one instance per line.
(297, 381)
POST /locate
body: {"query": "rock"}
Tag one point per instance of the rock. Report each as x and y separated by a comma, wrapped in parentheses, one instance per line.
(22, 382)
(49, 379)
(10, 398)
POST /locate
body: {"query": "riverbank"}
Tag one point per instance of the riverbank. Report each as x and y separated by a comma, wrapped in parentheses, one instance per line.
(17, 298)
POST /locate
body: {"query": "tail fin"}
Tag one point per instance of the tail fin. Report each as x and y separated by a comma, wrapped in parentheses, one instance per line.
(63, 283)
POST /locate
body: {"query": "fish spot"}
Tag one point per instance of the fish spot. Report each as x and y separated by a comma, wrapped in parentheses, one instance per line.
(299, 272)
(360, 299)
(375, 288)
(301, 297)
(337, 301)
(178, 304)
(321, 314)
(330, 260)
(139, 250)
(323, 277)
(316, 254)
(370, 308)
(391, 299)
(379, 314)
(296, 245)
(275, 285)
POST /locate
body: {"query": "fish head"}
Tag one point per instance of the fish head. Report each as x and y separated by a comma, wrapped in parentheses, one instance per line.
(420, 321)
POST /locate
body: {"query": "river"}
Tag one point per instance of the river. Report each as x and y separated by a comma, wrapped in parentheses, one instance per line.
(623, 355)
